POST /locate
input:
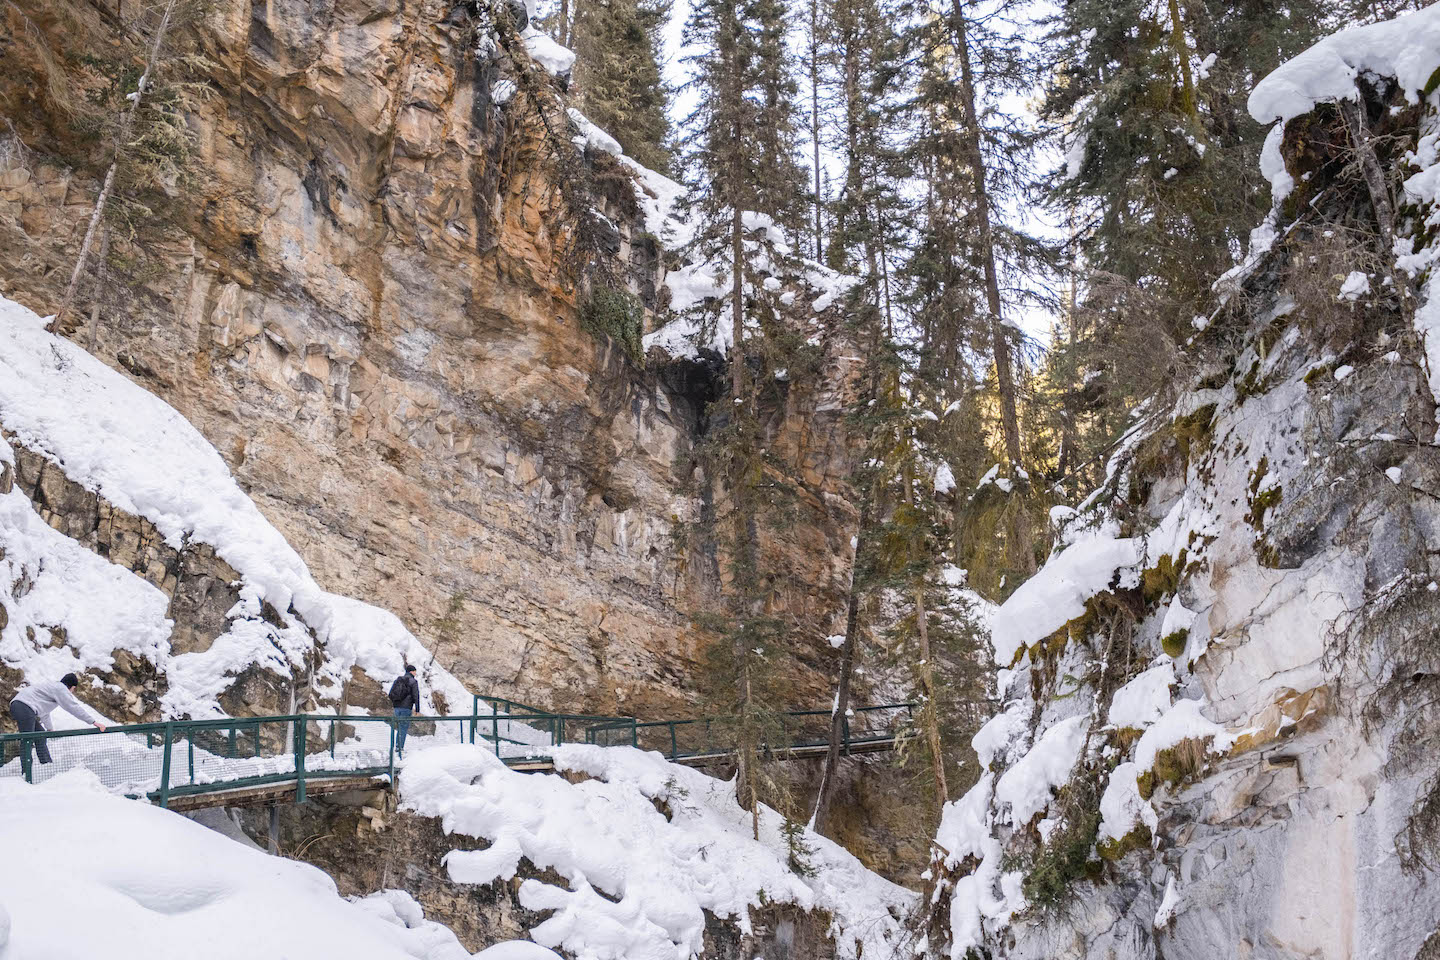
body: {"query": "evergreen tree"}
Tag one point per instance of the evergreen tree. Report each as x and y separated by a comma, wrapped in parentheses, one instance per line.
(617, 74)
(745, 182)
(1161, 184)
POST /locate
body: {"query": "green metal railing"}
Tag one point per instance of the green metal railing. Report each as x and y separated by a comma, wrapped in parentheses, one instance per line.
(179, 758)
(794, 730)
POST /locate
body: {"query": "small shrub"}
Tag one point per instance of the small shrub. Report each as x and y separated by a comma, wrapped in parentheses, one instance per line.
(1063, 860)
(1193, 431)
(798, 851)
(617, 314)
(1182, 762)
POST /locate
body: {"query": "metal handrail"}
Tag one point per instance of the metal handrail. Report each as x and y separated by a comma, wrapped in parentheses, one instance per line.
(167, 735)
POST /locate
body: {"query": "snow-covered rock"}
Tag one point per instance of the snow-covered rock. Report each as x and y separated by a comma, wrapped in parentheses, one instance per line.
(641, 881)
(111, 437)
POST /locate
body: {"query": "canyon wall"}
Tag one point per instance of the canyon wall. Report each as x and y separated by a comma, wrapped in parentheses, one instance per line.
(366, 297)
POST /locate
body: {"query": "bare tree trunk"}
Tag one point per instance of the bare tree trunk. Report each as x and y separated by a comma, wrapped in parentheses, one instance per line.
(122, 138)
(1022, 543)
(99, 289)
(930, 709)
(842, 688)
(815, 122)
(1354, 114)
(563, 32)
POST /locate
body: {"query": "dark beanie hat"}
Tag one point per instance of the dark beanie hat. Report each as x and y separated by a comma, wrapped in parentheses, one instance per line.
(70, 680)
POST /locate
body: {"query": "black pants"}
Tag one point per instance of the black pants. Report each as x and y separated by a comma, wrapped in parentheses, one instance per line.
(29, 722)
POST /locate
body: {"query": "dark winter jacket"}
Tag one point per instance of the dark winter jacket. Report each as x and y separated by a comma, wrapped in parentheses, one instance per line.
(405, 692)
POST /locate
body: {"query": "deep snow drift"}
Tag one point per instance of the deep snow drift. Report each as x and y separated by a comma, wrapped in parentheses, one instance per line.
(91, 875)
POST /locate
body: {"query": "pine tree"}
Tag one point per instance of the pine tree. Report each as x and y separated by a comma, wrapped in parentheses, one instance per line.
(1161, 180)
(617, 76)
(745, 182)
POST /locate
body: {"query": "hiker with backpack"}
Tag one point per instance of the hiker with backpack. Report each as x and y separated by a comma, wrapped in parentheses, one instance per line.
(405, 698)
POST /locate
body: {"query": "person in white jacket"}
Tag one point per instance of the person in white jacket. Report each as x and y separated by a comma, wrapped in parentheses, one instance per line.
(33, 705)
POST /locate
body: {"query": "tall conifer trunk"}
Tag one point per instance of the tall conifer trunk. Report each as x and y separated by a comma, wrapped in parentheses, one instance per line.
(815, 122)
(1022, 545)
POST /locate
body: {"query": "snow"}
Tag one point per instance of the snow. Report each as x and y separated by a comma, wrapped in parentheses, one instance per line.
(554, 58)
(999, 732)
(1144, 699)
(1057, 594)
(592, 136)
(1394, 474)
(1177, 618)
(638, 883)
(1343, 371)
(944, 479)
(115, 438)
(1122, 807)
(1183, 721)
(94, 875)
(837, 641)
(1168, 904)
(1025, 788)
(517, 950)
(965, 823)
(1406, 48)
(1356, 285)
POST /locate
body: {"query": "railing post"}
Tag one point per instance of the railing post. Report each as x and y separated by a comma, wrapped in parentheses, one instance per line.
(190, 747)
(300, 734)
(234, 730)
(495, 725)
(165, 765)
(332, 739)
(674, 751)
(390, 723)
(474, 717)
(27, 760)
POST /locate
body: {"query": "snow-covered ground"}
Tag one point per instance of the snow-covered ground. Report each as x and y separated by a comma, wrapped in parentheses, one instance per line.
(89, 875)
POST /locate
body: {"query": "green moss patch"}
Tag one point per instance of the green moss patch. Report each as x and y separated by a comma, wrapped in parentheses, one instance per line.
(1174, 644)
(1137, 839)
(1163, 579)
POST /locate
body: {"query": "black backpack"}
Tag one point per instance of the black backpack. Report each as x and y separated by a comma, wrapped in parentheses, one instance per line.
(400, 690)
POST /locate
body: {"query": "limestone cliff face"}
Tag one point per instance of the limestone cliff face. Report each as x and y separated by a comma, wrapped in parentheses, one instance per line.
(368, 303)
(1272, 793)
